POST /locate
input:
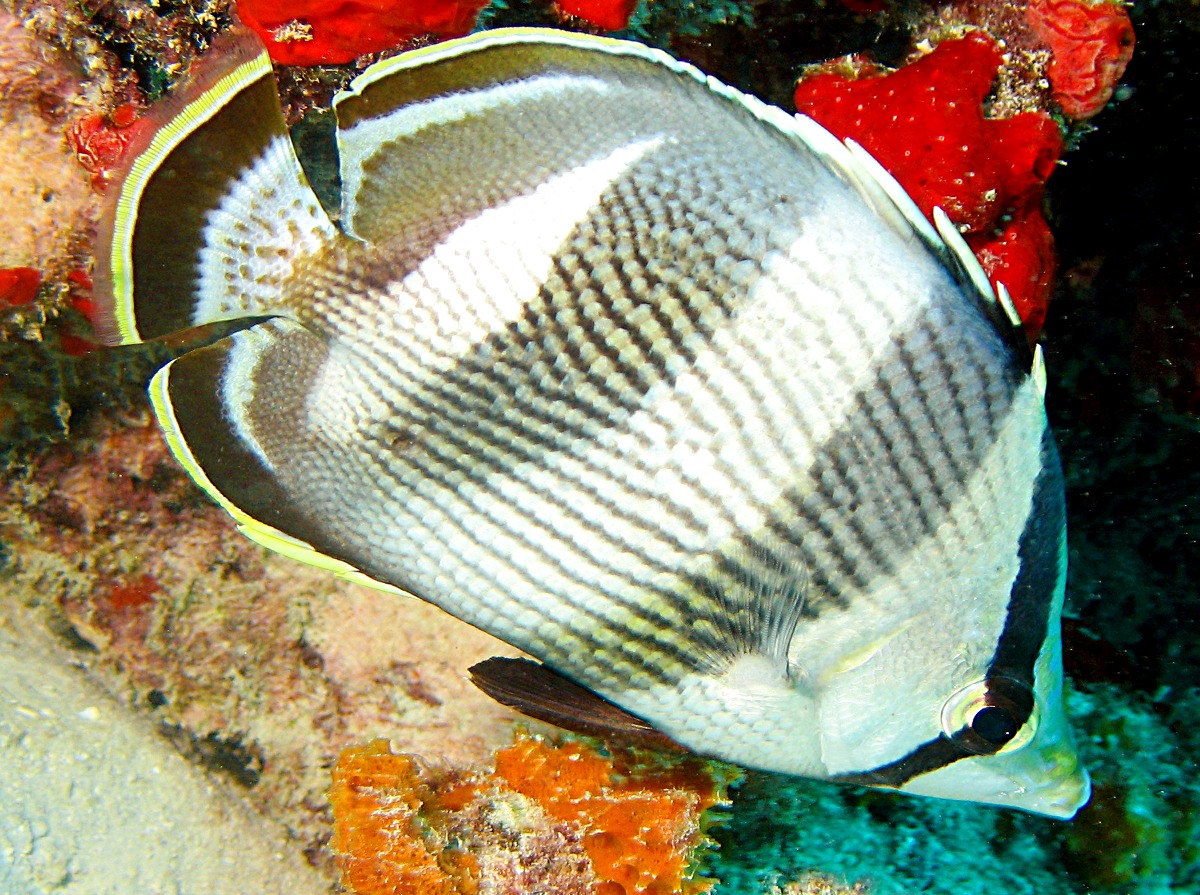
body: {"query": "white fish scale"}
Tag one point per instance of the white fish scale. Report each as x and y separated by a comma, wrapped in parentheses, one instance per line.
(480, 565)
(840, 701)
(543, 577)
(514, 242)
(429, 315)
(931, 379)
(692, 467)
(505, 540)
(683, 485)
(856, 512)
(723, 502)
(444, 557)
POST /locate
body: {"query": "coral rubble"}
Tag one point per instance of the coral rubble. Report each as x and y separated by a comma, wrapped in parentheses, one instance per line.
(548, 818)
(95, 801)
(45, 197)
(256, 668)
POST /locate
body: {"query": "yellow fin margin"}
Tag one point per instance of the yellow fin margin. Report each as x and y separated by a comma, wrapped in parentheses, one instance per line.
(260, 532)
(178, 128)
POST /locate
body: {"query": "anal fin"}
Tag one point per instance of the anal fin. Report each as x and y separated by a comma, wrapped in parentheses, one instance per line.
(542, 693)
(233, 414)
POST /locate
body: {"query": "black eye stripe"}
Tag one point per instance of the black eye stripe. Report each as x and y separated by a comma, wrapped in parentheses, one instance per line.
(928, 757)
(1007, 706)
(1020, 642)
(1040, 550)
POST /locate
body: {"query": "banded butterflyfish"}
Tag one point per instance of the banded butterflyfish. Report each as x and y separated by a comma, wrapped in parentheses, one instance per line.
(669, 389)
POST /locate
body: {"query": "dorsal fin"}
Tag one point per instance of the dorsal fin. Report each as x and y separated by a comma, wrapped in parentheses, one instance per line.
(892, 203)
(1039, 370)
(211, 207)
(442, 91)
(413, 129)
(542, 693)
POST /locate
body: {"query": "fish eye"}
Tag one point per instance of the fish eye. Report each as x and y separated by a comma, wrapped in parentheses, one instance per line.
(989, 716)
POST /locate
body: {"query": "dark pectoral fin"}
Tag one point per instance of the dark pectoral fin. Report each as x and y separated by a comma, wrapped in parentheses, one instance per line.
(540, 692)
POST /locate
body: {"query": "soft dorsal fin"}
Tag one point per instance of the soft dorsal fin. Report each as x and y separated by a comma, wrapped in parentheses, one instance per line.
(542, 693)
(400, 121)
(211, 208)
(444, 132)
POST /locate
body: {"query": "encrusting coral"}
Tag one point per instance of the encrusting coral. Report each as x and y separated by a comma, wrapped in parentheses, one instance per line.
(610, 15)
(554, 819)
(938, 127)
(926, 124)
(314, 32)
(1090, 45)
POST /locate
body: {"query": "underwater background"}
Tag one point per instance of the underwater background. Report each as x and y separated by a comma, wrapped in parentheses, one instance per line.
(176, 704)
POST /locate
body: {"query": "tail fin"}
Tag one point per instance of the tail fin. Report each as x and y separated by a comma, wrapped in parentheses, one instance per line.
(211, 210)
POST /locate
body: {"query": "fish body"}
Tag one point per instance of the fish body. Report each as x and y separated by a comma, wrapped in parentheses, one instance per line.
(667, 388)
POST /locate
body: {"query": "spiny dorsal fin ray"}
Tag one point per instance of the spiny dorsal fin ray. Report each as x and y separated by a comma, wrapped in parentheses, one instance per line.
(540, 692)
(996, 303)
(204, 402)
(1039, 369)
(211, 207)
(893, 204)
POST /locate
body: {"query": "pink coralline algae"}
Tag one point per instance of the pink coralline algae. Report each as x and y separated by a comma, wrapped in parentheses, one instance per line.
(316, 32)
(100, 141)
(611, 15)
(1090, 45)
(927, 125)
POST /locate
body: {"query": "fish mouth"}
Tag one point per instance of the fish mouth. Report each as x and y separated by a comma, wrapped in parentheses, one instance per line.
(1069, 797)
(1065, 789)
(1041, 778)
(1047, 775)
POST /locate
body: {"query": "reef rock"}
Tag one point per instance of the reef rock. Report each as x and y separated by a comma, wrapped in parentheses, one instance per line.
(95, 802)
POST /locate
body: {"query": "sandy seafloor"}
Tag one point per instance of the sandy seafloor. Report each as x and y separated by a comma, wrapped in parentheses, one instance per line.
(171, 696)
